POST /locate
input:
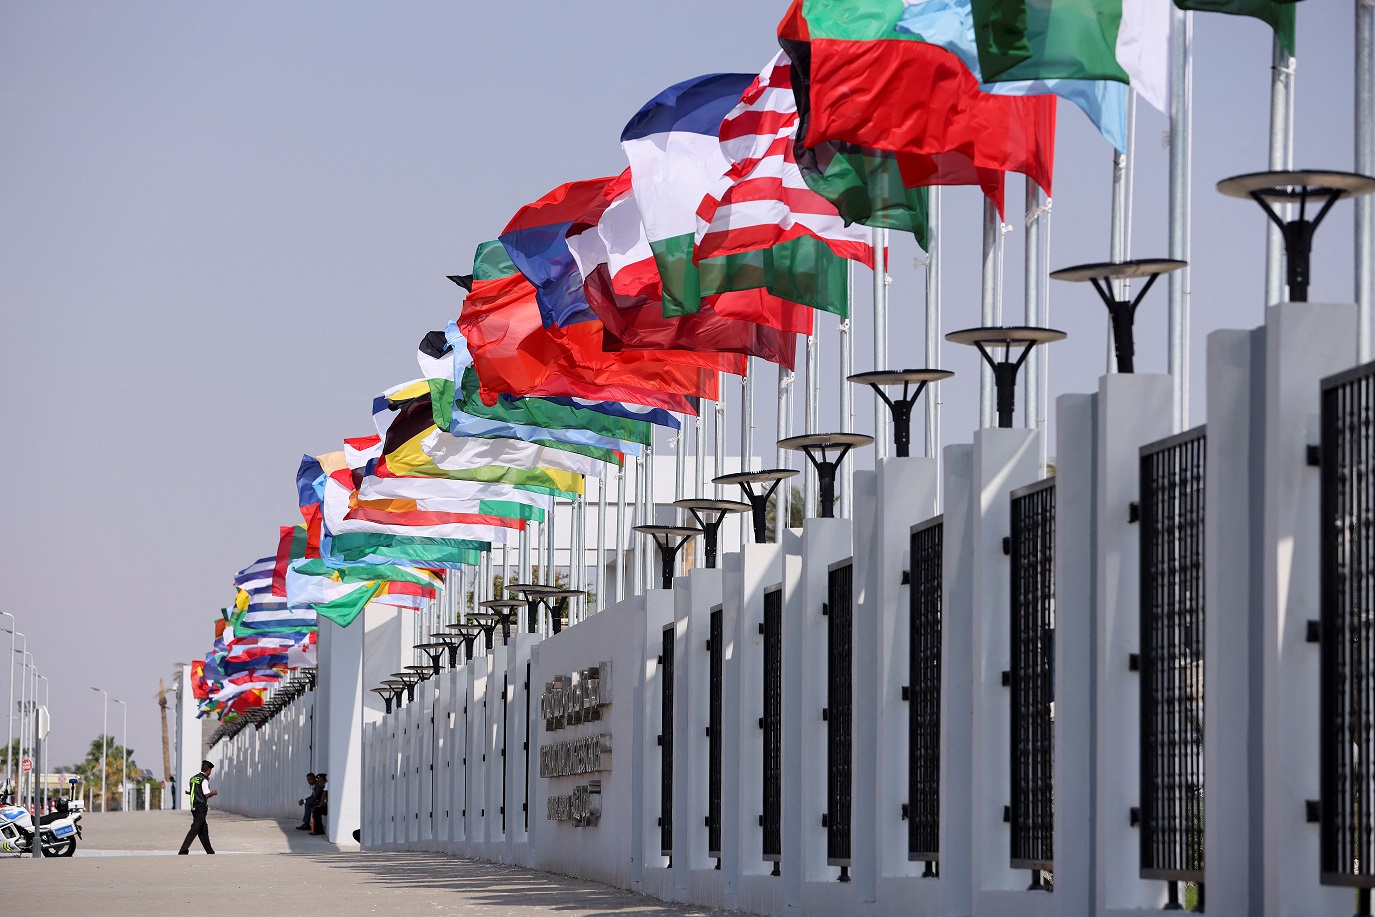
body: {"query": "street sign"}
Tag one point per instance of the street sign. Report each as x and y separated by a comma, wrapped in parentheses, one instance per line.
(26, 764)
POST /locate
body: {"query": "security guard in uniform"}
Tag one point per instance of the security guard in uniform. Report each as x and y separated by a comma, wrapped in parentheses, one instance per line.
(199, 804)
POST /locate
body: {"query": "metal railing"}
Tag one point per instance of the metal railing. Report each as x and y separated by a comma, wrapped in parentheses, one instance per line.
(924, 694)
(1032, 680)
(1172, 609)
(1347, 680)
(666, 745)
(715, 732)
(839, 713)
(772, 724)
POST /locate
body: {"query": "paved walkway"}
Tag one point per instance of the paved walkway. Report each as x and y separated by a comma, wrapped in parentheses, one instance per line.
(126, 867)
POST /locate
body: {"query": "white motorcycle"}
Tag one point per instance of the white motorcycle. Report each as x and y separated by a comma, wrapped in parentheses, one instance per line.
(59, 831)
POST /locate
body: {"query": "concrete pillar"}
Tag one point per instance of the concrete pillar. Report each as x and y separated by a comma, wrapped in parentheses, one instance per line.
(1303, 343)
(1232, 839)
(809, 882)
(188, 760)
(904, 496)
(1132, 410)
(341, 677)
(1075, 635)
(957, 680)
(1004, 459)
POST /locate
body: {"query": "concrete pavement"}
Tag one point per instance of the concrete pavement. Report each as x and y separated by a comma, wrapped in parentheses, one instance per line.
(126, 867)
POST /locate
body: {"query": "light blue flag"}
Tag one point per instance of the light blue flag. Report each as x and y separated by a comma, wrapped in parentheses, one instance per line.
(949, 24)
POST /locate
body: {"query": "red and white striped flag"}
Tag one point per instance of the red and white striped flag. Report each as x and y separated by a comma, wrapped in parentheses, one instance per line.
(763, 200)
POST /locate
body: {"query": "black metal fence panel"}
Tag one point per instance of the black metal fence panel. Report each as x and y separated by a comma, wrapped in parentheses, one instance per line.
(666, 746)
(715, 731)
(505, 731)
(529, 741)
(1032, 679)
(773, 726)
(839, 714)
(924, 693)
(1172, 609)
(1347, 680)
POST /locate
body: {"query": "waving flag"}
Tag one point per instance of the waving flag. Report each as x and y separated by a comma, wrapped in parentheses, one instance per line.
(761, 218)
(675, 159)
(515, 354)
(1123, 40)
(1278, 14)
(950, 25)
(860, 81)
(622, 285)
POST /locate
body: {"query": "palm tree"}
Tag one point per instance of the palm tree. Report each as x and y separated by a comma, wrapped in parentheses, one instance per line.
(89, 770)
(166, 745)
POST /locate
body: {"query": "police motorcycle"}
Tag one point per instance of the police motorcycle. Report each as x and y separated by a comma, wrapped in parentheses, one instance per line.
(59, 830)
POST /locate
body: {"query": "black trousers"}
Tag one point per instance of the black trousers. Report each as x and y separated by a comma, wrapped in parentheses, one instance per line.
(199, 829)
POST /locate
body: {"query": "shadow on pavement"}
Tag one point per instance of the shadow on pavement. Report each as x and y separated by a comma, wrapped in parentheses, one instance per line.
(495, 885)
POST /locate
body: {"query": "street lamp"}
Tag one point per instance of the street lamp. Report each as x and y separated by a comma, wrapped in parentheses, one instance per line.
(124, 760)
(105, 725)
(25, 661)
(41, 789)
(9, 748)
(9, 742)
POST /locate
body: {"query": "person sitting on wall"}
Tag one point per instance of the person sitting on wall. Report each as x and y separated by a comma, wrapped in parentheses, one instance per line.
(321, 808)
(310, 801)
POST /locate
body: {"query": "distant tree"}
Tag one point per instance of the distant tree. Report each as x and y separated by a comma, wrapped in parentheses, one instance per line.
(794, 513)
(89, 771)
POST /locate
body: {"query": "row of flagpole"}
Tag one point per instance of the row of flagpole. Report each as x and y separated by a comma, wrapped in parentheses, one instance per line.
(1037, 242)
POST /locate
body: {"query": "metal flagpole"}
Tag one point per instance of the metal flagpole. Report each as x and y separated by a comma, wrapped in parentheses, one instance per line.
(847, 391)
(987, 305)
(601, 541)
(1365, 164)
(637, 544)
(1181, 178)
(524, 572)
(679, 443)
(811, 417)
(880, 239)
(1120, 233)
(699, 456)
(1281, 159)
(648, 514)
(746, 431)
(618, 591)
(577, 560)
(718, 437)
(933, 324)
(550, 534)
(1034, 290)
(783, 429)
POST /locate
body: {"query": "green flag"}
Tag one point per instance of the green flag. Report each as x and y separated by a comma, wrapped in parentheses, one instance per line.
(1280, 16)
(344, 609)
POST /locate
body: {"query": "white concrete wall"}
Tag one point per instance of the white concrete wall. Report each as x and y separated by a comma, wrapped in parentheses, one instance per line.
(433, 772)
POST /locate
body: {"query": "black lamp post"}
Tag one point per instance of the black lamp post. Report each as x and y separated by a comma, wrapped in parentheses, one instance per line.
(385, 694)
(451, 642)
(710, 514)
(817, 446)
(1121, 312)
(531, 593)
(901, 408)
(556, 601)
(408, 680)
(1005, 369)
(487, 623)
(1302, 187)
(465, 634)
(434, 652)
(502, 609)
(758, 499)
(669, 539)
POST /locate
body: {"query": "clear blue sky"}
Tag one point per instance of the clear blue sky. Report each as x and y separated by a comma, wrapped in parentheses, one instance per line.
(224, 227)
